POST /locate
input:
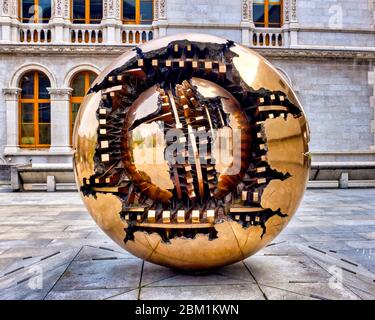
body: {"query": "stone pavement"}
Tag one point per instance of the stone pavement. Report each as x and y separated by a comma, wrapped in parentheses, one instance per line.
(51, 249)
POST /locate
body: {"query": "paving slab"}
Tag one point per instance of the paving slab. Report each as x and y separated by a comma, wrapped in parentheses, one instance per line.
(213, 292)
(316, 291)
(286, 269)
(94, 294)
(101, 274)
(51, 233)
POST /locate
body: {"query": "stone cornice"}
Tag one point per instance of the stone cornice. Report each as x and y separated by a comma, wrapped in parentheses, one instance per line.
(318, 54)
(115, 50)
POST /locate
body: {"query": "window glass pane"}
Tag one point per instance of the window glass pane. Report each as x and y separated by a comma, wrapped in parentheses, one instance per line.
(128, 9)
(27, 113)
(27, 134)
(146, 10)
(44, 113)
(92, 77)
(43, 85)
(274, 16)
(96, 11)
(27, 86)
(27, 9)
(79, 9)
(75, 108)
(258, 13)
(44, 11)
(44, 133)
(78, 85)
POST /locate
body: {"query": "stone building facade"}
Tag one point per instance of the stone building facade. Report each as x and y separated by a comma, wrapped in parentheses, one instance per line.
(324, 48)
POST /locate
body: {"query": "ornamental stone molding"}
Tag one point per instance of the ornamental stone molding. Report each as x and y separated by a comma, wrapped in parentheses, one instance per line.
(111, 9)
(8, 8)
(21, 70)
(11, 94)
(5, 7)
(162, 10)
(293, 11)
(60, 9)
(58, 4)
(286, 11)
(156, 9)
(60, 94)
(66, 9)
(247, 10)
(89, 50)
(77, 69)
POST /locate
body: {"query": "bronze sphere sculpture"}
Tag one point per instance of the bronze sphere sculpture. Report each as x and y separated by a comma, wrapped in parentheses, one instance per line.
(191, 151)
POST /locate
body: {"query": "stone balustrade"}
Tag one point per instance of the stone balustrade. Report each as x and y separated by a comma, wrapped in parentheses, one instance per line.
(86, 34)
(268, 37)
(133, 34)
(34, 33)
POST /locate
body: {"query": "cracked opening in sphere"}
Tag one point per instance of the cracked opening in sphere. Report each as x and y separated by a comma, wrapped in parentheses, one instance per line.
(196, 143)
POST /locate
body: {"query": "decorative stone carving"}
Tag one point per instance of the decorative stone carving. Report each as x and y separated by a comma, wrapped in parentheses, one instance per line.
(294, 11)
(67, 9)
(105, 9)
(163, 9)
(5, 6)
(14, 8)
(59, 94)
(286, 11)
(11, 94)
(110, 5)
(58, 8)
(117, 12)
(246, 9)
(156, 9)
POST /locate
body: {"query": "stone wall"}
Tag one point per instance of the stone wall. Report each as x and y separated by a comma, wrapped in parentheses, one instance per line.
(336, 38)
(204, 12)
(335, 95)
(339, 14)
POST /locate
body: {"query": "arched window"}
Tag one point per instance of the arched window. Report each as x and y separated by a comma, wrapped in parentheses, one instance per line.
(86, 11)
(137, 11)
(268, 13)
(34, 111)
(34, 11)
(80, 84)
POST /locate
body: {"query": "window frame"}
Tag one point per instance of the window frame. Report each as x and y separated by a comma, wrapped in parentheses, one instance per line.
(137, 19)
(36, 13)
(77, 99)
(266, 14)
(87, 19)
(35, 101)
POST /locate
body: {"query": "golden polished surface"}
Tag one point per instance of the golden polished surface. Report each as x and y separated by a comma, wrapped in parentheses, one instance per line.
(191, 151)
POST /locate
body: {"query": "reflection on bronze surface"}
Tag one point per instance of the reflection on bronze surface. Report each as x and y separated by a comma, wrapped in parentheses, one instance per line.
(191, 152)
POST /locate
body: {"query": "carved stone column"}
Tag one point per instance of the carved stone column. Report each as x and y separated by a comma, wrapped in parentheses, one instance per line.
(155, 19)
(247, 24)
(11, 103)
(60, 20)
(286, 22)
(60, 119)
(293, 24)
(112, 20)
(6, 20)
(162, 18)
